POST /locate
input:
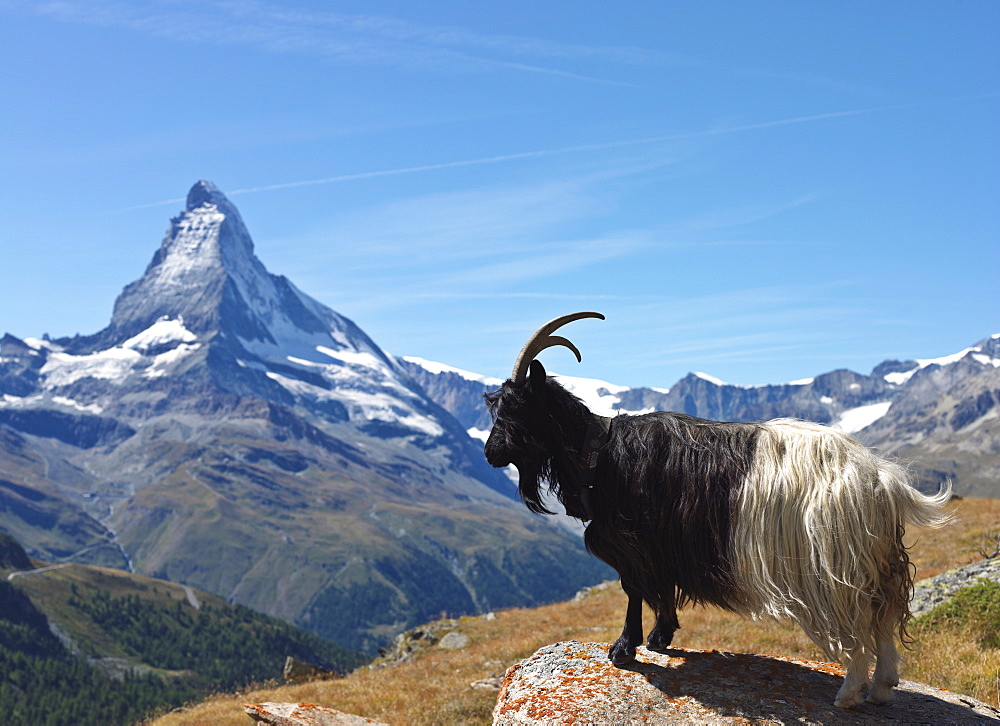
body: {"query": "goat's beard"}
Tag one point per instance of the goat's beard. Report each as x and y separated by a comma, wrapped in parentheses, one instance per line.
(529, 483)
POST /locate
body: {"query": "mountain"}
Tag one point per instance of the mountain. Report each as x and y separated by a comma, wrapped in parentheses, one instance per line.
(227, 431)
(940, 414)
(82, 644)
(946, 419)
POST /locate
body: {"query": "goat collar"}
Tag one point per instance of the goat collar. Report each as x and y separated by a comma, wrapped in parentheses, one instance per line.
(593, 441)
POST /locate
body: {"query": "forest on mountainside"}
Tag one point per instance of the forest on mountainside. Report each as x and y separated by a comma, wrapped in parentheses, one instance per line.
(133, 656)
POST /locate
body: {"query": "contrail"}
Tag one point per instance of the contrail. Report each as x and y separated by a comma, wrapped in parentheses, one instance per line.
(547, 152)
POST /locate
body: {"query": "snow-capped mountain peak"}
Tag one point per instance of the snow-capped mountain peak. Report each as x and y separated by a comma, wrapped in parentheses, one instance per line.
(986, 352)
(205, 292)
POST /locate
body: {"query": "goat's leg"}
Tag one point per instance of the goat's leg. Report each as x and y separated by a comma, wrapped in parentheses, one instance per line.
(666, 623)
(851, 693)
(886, 674)
(623, 651)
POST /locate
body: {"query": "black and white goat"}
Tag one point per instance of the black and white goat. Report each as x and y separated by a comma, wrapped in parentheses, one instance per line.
(784, 518)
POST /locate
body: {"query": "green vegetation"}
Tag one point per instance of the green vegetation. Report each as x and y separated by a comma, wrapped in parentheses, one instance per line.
(132, 646)
(976, 608)
(53, 691)
(228, 646)
(42, 683)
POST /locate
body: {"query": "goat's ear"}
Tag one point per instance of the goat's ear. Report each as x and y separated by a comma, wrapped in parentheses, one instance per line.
(536, 377)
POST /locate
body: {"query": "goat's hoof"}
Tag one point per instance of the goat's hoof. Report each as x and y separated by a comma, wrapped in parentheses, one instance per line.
(659, 641)
(880, 695)
(621, 655)
(849, 701)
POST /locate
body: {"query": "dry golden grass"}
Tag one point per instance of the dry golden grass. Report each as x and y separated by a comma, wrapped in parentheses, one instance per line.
(951, 658)
(433, 688)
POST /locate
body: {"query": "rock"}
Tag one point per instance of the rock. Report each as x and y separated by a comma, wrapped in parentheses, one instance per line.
(492, 683)
(573, 682)
(453, 641)
(588, 591)
(304, 714)
(934, 591)
(413, 641)
(297, 671)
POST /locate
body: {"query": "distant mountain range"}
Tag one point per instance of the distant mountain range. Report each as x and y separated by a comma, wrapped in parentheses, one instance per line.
(942, 415)
(227, 431)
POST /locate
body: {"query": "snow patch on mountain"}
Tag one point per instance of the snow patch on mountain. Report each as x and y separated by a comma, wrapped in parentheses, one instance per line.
(361, 358)
(710, 379)
(9, 401)
(375, 395)
(162, 332)
(116, 364)
(854, 419)
(39, 344)
(85, 408)
(986, 360)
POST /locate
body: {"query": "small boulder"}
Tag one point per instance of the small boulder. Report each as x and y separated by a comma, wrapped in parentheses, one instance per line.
(297, 671)
(304, 714)
(492, 683)
(453, 641)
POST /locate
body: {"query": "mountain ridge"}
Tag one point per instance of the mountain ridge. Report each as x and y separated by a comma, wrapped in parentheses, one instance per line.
(897, 407)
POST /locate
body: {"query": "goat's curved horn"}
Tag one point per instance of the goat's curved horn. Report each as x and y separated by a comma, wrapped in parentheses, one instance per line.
(543, 339)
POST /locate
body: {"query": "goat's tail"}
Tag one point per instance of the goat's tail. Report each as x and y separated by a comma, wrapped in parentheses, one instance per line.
(914, 507)
(905, 506)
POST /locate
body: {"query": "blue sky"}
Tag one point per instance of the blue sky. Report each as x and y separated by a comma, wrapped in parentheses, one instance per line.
(762, 191)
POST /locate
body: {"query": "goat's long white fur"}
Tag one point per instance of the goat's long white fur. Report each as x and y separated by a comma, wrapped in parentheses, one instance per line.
(816, 538)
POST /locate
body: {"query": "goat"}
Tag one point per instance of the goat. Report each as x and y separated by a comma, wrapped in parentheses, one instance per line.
(783, 518)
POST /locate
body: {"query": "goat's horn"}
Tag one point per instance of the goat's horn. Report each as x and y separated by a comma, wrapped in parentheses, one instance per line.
(543, 339)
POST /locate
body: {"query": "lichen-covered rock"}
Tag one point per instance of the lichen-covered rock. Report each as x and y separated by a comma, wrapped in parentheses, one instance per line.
(304, 714)
(574, 682)
(929, 593)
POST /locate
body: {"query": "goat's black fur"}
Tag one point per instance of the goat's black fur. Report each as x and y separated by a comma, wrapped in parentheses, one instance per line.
(662, 493)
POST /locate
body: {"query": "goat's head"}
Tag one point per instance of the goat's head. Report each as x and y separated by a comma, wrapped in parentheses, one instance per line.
(523, 422)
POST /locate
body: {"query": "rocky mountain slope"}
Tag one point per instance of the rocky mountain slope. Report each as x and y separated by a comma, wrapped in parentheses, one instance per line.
(227, 431)
(941, 414)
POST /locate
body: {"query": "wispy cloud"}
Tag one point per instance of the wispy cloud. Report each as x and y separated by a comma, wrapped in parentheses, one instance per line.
(343, 38)
(539, 153)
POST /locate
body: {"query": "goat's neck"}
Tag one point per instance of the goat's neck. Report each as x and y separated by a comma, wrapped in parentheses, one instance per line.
(576, 456)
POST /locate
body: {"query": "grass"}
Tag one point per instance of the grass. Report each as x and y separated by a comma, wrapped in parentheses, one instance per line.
(434, 686)
(958, 643)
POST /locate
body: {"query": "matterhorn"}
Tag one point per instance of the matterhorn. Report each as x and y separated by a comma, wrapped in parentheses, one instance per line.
(229, 432)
